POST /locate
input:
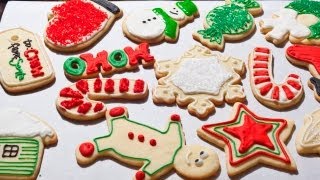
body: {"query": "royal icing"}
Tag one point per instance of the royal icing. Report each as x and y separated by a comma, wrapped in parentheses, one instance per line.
(174, 12)
(311, 133)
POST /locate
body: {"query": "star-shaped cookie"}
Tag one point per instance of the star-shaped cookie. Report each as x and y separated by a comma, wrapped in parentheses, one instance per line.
(249, 139)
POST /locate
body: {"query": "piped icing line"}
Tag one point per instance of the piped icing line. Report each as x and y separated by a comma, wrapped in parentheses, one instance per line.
(87, 65)
(82, 100)
(265, 89)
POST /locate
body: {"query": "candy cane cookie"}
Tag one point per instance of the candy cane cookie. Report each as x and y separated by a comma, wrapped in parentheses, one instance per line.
(265, 89)
(80, 101)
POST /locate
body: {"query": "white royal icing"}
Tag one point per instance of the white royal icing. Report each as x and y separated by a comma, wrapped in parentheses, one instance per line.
(285, 22)
(174, 12)
(201, 75)
(311, 135)
(17, 123)
(145, 24)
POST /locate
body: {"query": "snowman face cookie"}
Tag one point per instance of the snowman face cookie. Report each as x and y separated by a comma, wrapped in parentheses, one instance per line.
(175, 13)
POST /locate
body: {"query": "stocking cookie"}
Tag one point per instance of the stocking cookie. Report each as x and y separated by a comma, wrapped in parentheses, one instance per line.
(77, 24)
(265, 89)
(88, 66)
(25, 64)
(159, 24)
(309, 57)
(199, 80)
(23, 138)
(156, 152)
(228, 22)
(249, 140)
(300, 21)
(79, 101)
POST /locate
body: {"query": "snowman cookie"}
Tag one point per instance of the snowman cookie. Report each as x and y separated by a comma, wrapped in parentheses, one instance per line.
(155, 151)
(159, 24)
(77, 24)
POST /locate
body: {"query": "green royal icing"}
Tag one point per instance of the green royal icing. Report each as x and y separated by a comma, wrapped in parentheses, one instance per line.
(308, 7)
(20, 73)
(74, 66)
(227, 19)
(118, 58)
(187, 7)
(171, 25)
(247, 4)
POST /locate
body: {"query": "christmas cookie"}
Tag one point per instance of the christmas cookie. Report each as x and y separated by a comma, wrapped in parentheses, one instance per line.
(88, 66)
(249, 140)
(159, 24)
(25, 64)
(309, 57)
(77, 24)
(307, 141)
(23, 138)
(265, 89)
(200, 80)
(155, 151)
(300, 21)
(230, 22)
(80, 101)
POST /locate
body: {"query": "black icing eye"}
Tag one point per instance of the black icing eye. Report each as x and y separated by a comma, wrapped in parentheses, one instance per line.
(201, 152)
(143, 21)
(149, 19)
(203, 155)
(198, 162)
(154, 18)
(174, 8)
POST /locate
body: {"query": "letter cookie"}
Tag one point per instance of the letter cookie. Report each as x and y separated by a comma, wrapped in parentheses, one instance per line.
(300, 21)
(199, 80)
(79, 101)
(23, 138)
(249, 140)
(156, 152)
(159, 24)
(78, 24)
(269, 93)
(309, 57)
(88, 66)
(25, 65)
(230, 22)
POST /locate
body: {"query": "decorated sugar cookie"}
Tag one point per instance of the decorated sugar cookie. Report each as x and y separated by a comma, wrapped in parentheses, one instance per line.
(299, 20)
(200, 80)
(155, 151)
(159, 24)
(87, 65)
(78, 24)
(265, 89)
(229, 22)
(82, 100)
(307, 141)
(25, 64)
(23, 138)
(249, 140)
(309, 57)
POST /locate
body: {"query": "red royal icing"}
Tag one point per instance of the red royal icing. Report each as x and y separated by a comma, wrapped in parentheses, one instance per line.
(84, 108)
(288, 92)
(68, 92)
(261, 58)
(35, 65)
(153, 142)
(94, 64)
(124, 85)
(261, 73)
(262, 50)
(265, 89)
(138, 86)
(86, 149)
(294, 84)
(175, 117)
(260, 65)
(82, 85)
(130, 135)
(97, 85)
(75, 20)
(305, 53)
(68, 104)
(294, 76)
(275, 93)
(141, 52)
(98, 107)
(109, 86)
(141, 138)
(117, 111)
(261, 80)
(140, 175)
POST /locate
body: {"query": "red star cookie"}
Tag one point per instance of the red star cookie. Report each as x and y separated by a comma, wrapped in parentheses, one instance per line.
(249, 139)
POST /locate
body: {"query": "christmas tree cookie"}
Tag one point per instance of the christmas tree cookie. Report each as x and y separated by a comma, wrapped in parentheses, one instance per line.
(249, 140)
(155, 151)
(159, 24)
(299, 20)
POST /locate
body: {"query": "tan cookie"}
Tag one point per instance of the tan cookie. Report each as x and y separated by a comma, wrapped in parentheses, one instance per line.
(200, 80)
(78, 24)
(249, 140)
(25, 65)
(81, 100)
(155, 151)
(23, 138)
(159, 24)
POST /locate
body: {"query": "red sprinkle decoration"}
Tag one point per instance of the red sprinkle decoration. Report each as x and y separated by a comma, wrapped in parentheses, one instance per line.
(94, 64)
(124, 85)
(97, 85)
(153, 142)
(140, 175)
(138, 86)
(130, 135)
(75, 21)
(117, 111)
(141, 138)
(98, 107)
(109, 86)
(82, 86)
(68, 104)
(86, 149)
(175, 117)
(84, 108)
(68, 92)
